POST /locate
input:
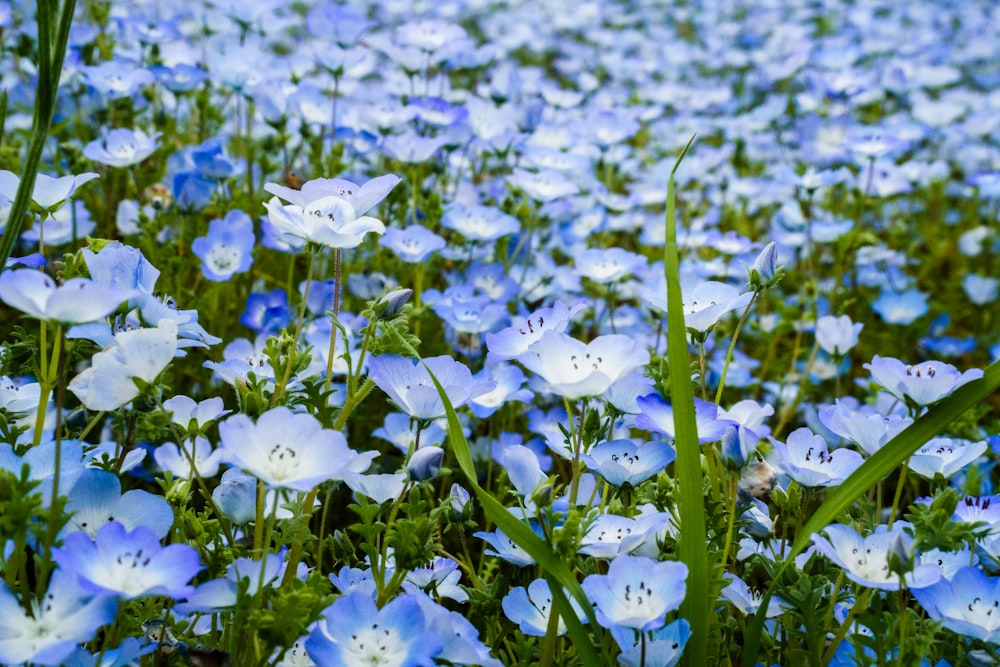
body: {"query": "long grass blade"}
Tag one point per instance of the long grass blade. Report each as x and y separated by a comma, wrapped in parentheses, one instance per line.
(693, 543)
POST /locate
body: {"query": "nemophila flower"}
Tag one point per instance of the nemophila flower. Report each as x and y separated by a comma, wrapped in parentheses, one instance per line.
(479, 223)
(544, 185)
(865, 428)
(663, 648)
(218, 594)
(837, 335)
(66, 224)
(411, 148)
(236, 498)
(41, 465)
(968, 604)
(439, 578)
(611, 535)
(606, 265)
(460, 638)
(738, 445)
(466, 311)
(240, 359)
(176, 459)
(140, 354)
(984, 509)
(412, 244)
(193, 416)
(267, 313)
(355, 632)
(507, 380)
(121, 147)
(505, 548)
(945, 457)
(330, 221)
(289, 450)
(401, 430)
(75, 301)
(377, 487)
(805, 458)
(574, 369)
(116, 78)
(531, 608)
(523, 470)
(128, 564)
(408, 383)
(901, 307)
(865, 560)
(226, 249)
(97, 499)
(637, 592)
(191, 190)
(919, 384)
(425, 463)
(747, 601)
(622, 462)
(981, 290)
(704, 304)
(65, 617)
(49, 193)
(129, 652)
(656, 415)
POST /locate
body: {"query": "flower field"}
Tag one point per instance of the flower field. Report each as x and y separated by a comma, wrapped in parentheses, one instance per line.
(420, 333)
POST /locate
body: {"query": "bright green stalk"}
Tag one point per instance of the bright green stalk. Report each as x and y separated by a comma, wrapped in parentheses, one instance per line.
(871, 472)
(693, 541)
(52, 39)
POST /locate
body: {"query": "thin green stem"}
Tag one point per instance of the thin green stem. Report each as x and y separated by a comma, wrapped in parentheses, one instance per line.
(732, 349)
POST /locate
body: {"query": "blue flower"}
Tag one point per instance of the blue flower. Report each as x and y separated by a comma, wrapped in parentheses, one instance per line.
(289, 450)
(412, 244)
(479, 223)
(97, 499)
(68, 615)
(901, 307)
(623, 462)
(409, 384)
(805, 458)
(658, 416)
(919, 384)
(76, 301)
(121, 147)
(637, 592)
(663, 648)
(267, 313)
(967, 604)
(531, 608)
(865, 560)
(356, 633)
(128, 564)
(226, 250)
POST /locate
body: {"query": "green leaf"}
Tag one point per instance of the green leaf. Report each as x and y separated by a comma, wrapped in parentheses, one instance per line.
(693, 540)
(880, 464)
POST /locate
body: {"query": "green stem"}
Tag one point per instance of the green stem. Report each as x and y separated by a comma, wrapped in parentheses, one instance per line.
(334, 316)
(732, 348)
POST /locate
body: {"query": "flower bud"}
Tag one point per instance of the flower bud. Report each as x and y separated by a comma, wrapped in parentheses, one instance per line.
(765, 272)
(425, 463)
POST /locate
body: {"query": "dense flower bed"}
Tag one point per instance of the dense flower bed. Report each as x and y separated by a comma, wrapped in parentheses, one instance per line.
(474, 333)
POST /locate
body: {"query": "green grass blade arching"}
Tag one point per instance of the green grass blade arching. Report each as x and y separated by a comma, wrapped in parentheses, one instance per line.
(693, 543)
(554, 570)
(876, 468)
